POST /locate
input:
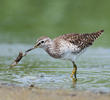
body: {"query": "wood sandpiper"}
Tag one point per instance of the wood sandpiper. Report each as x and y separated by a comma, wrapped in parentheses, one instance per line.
(67, 46)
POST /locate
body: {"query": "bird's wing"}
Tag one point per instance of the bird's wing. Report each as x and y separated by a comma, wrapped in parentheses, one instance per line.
(82, 40)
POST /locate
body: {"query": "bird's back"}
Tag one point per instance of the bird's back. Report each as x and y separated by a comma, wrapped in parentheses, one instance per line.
(81, 40)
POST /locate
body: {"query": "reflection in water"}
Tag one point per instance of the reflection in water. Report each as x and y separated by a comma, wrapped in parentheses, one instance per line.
(40, 70)
(74, 83)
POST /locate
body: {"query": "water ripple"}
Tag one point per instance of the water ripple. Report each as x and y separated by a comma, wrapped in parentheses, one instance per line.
(41, 70)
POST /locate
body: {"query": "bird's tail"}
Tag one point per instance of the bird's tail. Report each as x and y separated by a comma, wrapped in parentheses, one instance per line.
(95, 35)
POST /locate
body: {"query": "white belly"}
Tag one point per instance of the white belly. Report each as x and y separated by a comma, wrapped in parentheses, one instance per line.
(70, 56)
(70, 51)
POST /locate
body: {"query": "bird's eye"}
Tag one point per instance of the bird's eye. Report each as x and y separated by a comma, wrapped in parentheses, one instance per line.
(42, 41)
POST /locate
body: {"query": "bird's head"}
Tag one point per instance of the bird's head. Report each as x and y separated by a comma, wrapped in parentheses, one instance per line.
(42, 42)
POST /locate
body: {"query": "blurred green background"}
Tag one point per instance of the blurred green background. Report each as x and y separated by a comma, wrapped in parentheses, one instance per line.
(23, 21)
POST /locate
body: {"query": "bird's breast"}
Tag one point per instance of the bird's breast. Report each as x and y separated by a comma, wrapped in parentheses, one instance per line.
(53, 52)
(62, 50)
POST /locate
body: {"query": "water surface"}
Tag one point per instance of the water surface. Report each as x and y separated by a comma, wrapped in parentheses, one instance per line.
(45, 72)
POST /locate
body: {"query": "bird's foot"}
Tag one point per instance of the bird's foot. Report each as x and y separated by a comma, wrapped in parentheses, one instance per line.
(74, 79)
(73, 75)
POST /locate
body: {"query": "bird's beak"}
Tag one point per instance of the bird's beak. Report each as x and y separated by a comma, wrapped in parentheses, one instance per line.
(36, 45)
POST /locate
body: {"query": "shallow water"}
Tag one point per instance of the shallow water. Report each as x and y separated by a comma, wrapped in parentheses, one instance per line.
(41, 70)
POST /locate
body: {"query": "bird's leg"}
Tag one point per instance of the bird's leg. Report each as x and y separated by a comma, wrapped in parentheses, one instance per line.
(74, 71)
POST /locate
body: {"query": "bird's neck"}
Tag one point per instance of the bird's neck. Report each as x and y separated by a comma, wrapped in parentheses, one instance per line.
(50, 48)
(48, 45)
(52, 51)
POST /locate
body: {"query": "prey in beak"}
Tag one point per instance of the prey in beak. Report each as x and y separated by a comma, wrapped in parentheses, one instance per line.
(40, 43)
(20, 56)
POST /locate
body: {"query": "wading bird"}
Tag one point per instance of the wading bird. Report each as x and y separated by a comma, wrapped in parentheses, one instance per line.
(67, 46)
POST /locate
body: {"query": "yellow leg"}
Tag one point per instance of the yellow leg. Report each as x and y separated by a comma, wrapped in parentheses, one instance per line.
(74, 72)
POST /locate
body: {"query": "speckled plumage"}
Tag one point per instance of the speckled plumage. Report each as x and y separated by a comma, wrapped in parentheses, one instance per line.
(81, 40)
(67, 46)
